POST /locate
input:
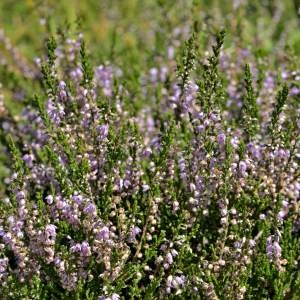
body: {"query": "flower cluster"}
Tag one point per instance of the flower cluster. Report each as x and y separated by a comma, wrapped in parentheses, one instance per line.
(177, 182)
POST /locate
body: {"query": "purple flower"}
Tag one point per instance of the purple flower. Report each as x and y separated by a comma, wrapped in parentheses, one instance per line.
(126, 183)
(169, 258)
(102, 131)
(269, 82)
(104, 76)
(76, 248)
(242, 168)
(285, 75)
(114, 296)
(49, 199)
(3, 265)
(55, 112)
(133, 233)
(85, 249)
(90, 209)
(281, 215)
(276, 249)
(255, 151)
(252, 243)
(76, 73)
(50, 231)
(294, 91)
(20, 195)
(62, 85)
(77, 199)
(153, 75)
(147, 152)
(135, 230)
(221, 138)
(28, 159)
(180, 280)
(171, 52)
(174, 252)
(273, 248)
(104, 233)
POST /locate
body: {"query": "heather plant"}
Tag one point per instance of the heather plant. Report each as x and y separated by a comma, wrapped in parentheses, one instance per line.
(175, 179)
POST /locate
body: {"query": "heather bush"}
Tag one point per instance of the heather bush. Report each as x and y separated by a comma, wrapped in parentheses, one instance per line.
(173, 174)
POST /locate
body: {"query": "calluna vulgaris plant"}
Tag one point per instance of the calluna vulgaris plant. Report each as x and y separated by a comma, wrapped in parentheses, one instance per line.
(185, 188)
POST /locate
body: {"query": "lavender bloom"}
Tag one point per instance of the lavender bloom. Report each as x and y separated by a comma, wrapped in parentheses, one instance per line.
(78, 199)
(269, 248)
(252, 243)
(284, 210)
(20, 195)
(114, 296)
(269, 83)
(102, 130)
(179, 281)
(175, 282)
(90, 209)
(104, 75)
(28, 159)
(62, 91)
(3, 265)
(50, 231)
(153, 75)
(133, 233)
(126, 183)
(294, 91)
(281, 215)
(276, 249)
(83, 249)
(76, 248)
(156, 143)
(200, 128)
(281, 153)
(49, 199)
(221, 138)
(56, 113)
(171, 52)
(285, 75)
(62, 85)
(169, 258)
(3, 269)
(182, 168)
(76, 74)
(273, 248)
(174, 252)
(189, 96)
(104, 233)
(242, 168)
(147, 152)
(255, 151)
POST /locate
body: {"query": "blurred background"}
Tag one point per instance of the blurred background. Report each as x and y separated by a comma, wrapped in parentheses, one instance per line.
(147, 24)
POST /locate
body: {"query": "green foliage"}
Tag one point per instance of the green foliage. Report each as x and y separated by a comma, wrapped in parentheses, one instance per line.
(211, 92)
(250, 112)
(281, 99)
(85, 65)
(206, 181)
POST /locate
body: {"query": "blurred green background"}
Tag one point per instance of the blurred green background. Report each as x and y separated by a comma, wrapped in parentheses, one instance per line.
(138, 24)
